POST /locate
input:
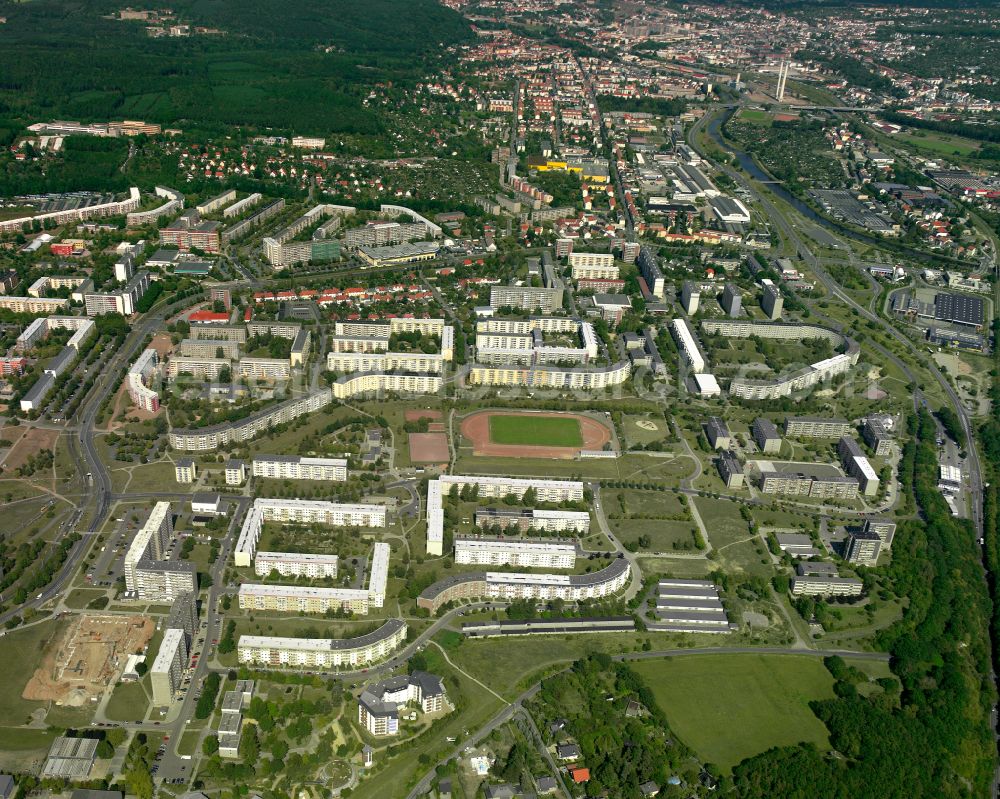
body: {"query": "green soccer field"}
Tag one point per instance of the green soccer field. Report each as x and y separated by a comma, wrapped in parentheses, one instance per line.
(541, 431)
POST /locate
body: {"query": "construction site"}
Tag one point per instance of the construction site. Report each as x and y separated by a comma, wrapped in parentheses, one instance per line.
(80, 664)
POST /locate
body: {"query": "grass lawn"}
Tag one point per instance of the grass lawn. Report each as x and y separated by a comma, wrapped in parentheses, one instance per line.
(938, 143)
(189, 742)
(509, 669)
(690, 568)
(722, 520)
(128, 702)
(21, 651)
(731, 707)
(664, 535)
(542, 431)
(146, 478)
(641, 430)
(82, 597)
(755, 117)
(22, 740)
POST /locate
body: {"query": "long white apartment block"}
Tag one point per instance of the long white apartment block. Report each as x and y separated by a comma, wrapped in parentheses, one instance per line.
(593, 266)
(209, 438)
(358, 344)
(551, 521)
(240, 206)
(378, 574)
(205, 368)
(307, 599)
(301, 511)
(302, 599)
(355, 383)
(514, 585)
(265, 368)
(323, 652)
(519, 585)
(360, 336)
(687, 345)
(288, 467)
(137, 381)
(545, 491)
(295, 564)
(39, 328)
(432, 327)
(515, 552)
(149, 542)
(424, 363)
(17, 304)
(168, 667)
(46, 282)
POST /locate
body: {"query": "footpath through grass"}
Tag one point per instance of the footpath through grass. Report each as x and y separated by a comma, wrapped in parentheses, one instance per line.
(540, 431)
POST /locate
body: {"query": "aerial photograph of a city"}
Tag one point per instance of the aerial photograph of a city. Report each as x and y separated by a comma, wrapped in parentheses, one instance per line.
(499, 399)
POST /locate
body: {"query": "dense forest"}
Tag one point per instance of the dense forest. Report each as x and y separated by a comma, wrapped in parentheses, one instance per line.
(310, 62)
(931, 738)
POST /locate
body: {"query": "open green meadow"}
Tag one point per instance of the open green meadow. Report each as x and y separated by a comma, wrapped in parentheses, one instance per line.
(755, 117)
(540, 431)
(731, 707)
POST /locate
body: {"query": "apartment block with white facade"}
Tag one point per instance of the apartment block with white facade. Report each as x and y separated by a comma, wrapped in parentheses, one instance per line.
(301, 511)
(348, 653)
(545, 491)
(295, 564)
(287, 467)
(515, 552)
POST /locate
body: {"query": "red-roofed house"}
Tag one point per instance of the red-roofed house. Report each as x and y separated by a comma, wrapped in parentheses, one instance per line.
(208, 317)
(579, 774)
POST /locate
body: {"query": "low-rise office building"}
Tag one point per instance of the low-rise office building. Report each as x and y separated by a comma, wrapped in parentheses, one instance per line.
(691, 606)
